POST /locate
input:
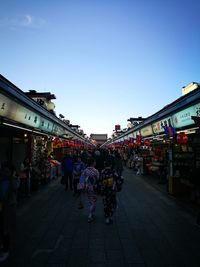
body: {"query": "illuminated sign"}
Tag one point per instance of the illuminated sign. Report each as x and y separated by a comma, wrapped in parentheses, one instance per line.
(158, 127)
(183, 118)
(24, 116)
(146, 131)
(134, 134)
(46, 125)
(5, 105)
(197, 110)
(14, 111)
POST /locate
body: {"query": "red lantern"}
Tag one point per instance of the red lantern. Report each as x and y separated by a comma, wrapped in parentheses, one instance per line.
(182, 138)
(147, 142)
(138, 140)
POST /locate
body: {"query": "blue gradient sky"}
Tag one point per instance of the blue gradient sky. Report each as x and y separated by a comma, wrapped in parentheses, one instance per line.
(105, 61)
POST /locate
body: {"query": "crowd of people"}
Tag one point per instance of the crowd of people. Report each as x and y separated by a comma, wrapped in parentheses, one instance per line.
(9, 184)
(94, 173)
(88, 174)
(15, 184)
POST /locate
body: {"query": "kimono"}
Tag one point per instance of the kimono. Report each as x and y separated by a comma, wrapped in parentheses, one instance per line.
(91, 182)
(111, 183)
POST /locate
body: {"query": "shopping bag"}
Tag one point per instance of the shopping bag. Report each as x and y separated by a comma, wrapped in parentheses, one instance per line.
(80, 186)
(81, 183)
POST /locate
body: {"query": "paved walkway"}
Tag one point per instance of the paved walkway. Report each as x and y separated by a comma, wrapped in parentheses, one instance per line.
(150, 230)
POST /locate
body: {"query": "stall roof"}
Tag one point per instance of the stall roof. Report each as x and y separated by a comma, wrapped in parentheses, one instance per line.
(177, 105)
(10, 89)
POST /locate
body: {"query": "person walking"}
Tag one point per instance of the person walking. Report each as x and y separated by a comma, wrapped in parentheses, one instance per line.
(111, 183)
(67, 169)
(9, 184)
(118, 164)
(98, 156)
(139, 164)
(91, 175)
(25, 177)
(78, 168)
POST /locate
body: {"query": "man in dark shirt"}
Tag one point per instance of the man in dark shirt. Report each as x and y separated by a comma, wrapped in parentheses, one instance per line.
(67, 169)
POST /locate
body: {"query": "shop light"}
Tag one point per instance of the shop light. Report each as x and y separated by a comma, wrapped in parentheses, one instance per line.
(189, 131)
(22, 128)
(158, 137)
(18, 127)
(29, 130)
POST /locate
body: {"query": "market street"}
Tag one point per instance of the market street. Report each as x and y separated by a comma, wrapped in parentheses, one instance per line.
(149, 229)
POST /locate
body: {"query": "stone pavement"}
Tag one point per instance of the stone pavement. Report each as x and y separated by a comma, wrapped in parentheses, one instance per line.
(150, 230)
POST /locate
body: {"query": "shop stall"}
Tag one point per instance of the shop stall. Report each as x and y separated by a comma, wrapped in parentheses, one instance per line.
(173, 150)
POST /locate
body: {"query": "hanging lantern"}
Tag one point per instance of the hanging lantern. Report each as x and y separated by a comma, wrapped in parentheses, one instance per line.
(185, 138)
(131, 140)
(182, 138)
(125, 142)
(147, 142)
(138, 140)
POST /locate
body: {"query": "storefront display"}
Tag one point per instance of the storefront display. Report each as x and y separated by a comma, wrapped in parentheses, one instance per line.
(40, 162)
(183, 160)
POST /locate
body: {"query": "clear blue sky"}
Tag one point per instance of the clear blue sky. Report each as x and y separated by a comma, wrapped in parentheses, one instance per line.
(105, 60)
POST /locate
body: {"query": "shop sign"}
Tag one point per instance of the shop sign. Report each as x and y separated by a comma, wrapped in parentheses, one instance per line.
(25, 116)
(146, 131)
(60, 131)
(5, 105)
(46, 125)
(197, 110)
(159, 126)
(55, 129)
(16, 112)
(133, 135)
(183, 118)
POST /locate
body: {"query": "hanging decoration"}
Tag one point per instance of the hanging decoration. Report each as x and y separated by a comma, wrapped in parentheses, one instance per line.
(182, 138)
(169, 131)
(138, 140)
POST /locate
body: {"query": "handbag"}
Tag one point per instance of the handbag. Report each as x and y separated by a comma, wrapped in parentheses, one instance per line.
(81, 183)
(80, 186)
